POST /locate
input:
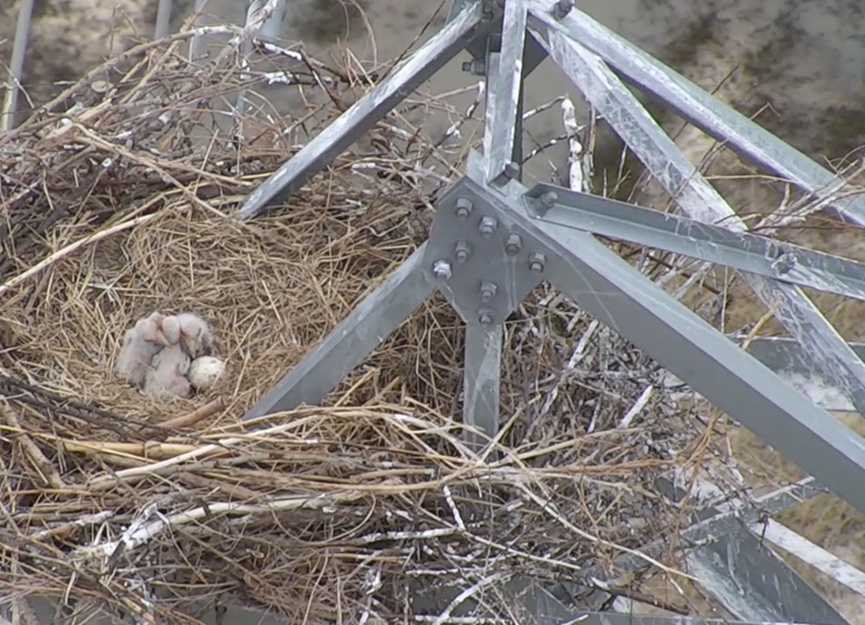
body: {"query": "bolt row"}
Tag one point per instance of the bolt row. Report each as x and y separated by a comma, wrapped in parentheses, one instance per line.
(443, 271)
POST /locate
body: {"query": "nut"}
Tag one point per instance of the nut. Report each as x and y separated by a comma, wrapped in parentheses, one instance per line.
(464, 207)
(442, 270)
(488, 291)
(462, 251)
(488, 226)
(513, 244)
(537, 262)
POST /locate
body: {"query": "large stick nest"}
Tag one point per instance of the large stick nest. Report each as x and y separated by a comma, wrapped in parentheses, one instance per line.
(119, 208)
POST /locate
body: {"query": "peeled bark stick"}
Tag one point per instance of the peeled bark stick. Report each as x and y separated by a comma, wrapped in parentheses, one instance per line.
(43, 465)
(199, 414)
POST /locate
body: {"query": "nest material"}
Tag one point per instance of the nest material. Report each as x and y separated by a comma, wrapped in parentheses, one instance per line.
(319, 513)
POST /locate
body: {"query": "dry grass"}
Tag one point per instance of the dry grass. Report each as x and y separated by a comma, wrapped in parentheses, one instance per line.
(318, 513)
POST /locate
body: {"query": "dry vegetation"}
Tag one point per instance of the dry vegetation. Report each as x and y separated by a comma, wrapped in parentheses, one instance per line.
(321, 513)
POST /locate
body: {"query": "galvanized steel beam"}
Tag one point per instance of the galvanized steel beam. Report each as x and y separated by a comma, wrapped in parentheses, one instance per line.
(701, 108)
(621, 297)
(830, 354)
(347, 345)
(755, 254)
(366, 112)
(504, 85)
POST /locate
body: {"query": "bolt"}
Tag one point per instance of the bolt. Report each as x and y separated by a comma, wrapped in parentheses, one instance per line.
(485, 316)
(462, 251)
(442, 270)
(464, 207)
(546, 202)
(488, 291)
(785, 263)
(475, 67)
(512, 170)
(488, 226)
(513, 244)
(561, 8)
(537, 261)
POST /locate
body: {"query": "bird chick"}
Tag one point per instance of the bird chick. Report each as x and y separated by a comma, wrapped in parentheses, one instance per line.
(171, 330)
(195, 335)
(167, 376)
(140, 345)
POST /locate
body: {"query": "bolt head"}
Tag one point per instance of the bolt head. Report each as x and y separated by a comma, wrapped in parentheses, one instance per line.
(512, 170)
(513, 244)
(464, 207)
(549, 199)
(561, 8)
(485, 317)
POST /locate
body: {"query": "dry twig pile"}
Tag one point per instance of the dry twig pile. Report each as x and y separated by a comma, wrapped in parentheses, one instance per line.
(119, 208)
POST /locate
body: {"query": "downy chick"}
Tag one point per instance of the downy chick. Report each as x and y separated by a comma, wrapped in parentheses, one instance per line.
(140, 345)
(195, 335)
(167, 376)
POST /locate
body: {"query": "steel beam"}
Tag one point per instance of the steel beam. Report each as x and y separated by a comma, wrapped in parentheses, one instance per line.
(482, 380)
(347, 345)
(701, 109)
(745, 576)
(367, 111)
(783, 354)
(754, 584)
(830, 354)
(611, 618)
(478, 48)
(9, 114)
(625, 300)
(504, 84)
(760, 255)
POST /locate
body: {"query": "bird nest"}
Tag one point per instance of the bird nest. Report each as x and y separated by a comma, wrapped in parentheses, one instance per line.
(147, 506)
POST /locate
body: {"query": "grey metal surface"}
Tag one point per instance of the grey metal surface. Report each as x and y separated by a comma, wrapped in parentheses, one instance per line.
(9, 113)
(619, 296)
(717, 525)
(830, 354)
(701, 108)
(744, 575)
(483, 241)
(271, 26)
(367, 111)
(163, 19)
(783, 354)
(504, 84)
(754, 584)
(610, 618)
(716, 244)
(347, 345)
(482, 380)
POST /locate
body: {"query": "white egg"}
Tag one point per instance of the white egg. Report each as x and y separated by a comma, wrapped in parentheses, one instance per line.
(204, 371)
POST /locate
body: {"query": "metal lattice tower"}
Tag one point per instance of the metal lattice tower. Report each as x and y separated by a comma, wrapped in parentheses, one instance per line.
(500, 232)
